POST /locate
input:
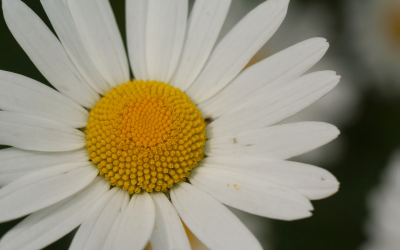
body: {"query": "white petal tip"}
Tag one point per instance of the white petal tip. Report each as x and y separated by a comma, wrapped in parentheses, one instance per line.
(335, 132)
(332, 187)
(332, 131)
(307, 214)
(319, 42)
(320, 39)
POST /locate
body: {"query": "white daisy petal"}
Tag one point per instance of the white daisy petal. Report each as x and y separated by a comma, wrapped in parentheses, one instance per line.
(39, 134)
(209, 220)
(98, 29)
(61, 19)
(50, 224)
(275, 142)
(21, 94)
(136, 16)
(237, 48)
(137, 223)
(47, 53)
(313, 182)
(272, 105)
(15, 163)
(273, 71)
(168, 232)
(93, 232)
(204, 25)
(43, 188)
(251, 193)
(108, 244)
(165, 33)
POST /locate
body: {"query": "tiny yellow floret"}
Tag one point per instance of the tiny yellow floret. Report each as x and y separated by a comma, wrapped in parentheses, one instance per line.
(145, 136)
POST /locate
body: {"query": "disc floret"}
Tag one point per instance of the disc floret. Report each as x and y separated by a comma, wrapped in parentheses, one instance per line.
(145, 136)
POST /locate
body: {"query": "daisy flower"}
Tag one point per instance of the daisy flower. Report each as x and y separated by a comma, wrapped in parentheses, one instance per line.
(383, 225)
(374, 28)
(189, 133)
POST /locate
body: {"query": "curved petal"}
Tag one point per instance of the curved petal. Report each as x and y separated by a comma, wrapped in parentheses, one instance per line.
(43, 188)
(15, 163)
(204, 25)
(50, 224)
(272, 105)
(47, 53)
(39, 134)
(275, 142)
(236, 49)
(23, 95)
(136, 16)
(108, 244)
(165, 33)
(61, 19)
(98, 29)
(93, 232)
(271, 72)
(251, 193)
(313, 182)
(210, 221)
(168, 232)
(137, 223)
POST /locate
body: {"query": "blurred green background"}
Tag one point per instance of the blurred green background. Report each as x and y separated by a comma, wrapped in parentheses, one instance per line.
(370, 139)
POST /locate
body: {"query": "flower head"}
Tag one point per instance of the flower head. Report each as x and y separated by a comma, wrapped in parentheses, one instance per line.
(191, 130)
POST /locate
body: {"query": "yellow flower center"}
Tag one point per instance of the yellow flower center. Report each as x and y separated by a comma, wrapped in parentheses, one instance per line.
(145, 136)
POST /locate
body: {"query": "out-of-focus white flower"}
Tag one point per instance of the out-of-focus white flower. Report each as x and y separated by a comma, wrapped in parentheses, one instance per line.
(383, 228)
(374, 29)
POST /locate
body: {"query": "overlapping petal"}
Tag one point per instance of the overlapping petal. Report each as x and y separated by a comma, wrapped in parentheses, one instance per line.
(235, 50)
(209, 220)
(43, 188)
(47, 53)
(23, 95)
(98, 29)
(313, 182)
(50, 224)
(250, 192)
(274, 142)
(61, 19)
(40, 134)
(15, 162)
(136, 16)
(165, 33)
(93, 232)
(109, 243)
(137, 223)
(272, 72)
(168, 231)
(204, 25)
(271, 105)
